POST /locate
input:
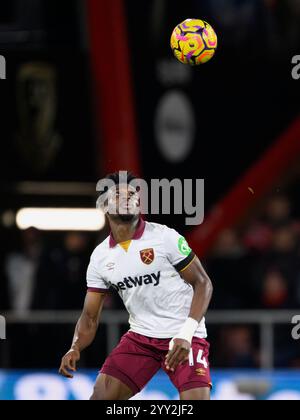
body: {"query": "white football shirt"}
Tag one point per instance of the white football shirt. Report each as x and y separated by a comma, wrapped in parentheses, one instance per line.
(147, 278)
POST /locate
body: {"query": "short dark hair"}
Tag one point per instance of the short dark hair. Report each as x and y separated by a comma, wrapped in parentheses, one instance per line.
(115, 177)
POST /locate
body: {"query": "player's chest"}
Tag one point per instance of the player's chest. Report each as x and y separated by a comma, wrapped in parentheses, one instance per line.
(140, 264)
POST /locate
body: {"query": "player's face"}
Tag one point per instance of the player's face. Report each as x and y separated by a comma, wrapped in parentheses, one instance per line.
(123, 201)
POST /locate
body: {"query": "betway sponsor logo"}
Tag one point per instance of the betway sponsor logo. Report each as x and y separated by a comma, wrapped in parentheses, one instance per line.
(131, 282)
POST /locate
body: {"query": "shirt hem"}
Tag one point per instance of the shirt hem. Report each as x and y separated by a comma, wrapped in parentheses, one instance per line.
(162, 335)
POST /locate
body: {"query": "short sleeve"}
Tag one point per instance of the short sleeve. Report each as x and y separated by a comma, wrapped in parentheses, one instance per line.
(177, 249)
(95, 282)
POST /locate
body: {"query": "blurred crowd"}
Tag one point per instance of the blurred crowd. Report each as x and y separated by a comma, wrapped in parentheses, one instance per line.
(51, 278)
(258, 267)
(252, 267)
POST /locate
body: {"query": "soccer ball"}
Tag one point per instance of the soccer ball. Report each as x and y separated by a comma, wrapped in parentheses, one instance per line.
(194, 42)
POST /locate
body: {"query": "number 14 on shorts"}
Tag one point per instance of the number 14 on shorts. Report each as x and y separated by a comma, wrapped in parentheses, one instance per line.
(200, 359)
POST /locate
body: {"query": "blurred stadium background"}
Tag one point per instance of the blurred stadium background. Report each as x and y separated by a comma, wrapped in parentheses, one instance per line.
(92, 87)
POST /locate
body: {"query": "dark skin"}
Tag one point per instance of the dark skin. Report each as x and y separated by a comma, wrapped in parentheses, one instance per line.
(110, 388)
(85, 332)
(196, 276)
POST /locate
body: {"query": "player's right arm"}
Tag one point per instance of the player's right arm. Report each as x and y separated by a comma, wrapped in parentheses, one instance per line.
(85, 332)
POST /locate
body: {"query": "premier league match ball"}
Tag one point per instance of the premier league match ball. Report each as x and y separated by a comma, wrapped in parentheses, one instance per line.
(194, 42)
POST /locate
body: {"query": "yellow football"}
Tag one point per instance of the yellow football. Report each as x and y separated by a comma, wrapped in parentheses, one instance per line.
(194, 42)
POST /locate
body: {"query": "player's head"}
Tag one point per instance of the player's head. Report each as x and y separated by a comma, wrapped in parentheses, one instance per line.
(119, 198)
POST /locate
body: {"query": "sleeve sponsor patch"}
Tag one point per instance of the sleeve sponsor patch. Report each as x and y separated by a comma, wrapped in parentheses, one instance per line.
(183, 246)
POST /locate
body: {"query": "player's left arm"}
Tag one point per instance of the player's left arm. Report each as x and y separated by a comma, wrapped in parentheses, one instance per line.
(196, 276)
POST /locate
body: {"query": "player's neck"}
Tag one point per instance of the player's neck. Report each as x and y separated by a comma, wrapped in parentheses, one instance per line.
(123, 232)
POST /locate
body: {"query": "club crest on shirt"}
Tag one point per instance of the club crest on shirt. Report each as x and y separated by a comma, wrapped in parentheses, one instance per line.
(147, 256)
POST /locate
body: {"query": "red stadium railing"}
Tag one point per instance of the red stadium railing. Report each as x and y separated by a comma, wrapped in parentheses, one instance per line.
(256, 182)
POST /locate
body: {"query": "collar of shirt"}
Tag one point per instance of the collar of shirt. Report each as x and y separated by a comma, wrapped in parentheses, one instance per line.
(138, 233)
